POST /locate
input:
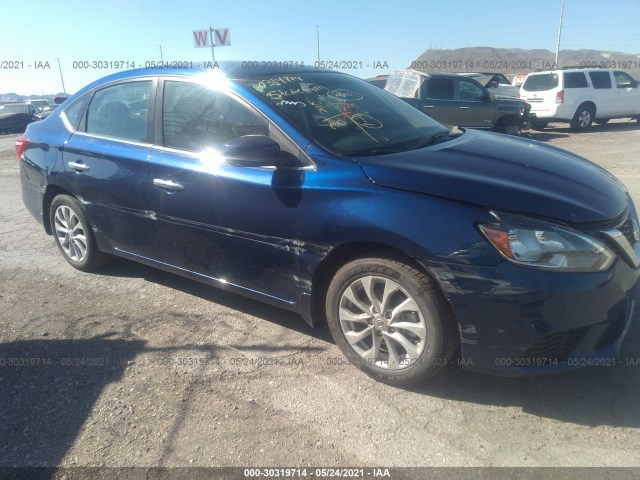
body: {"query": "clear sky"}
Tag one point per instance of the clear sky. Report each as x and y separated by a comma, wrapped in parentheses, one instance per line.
(364, 31)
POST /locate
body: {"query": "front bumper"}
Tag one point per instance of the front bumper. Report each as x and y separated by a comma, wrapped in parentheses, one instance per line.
(520, 321)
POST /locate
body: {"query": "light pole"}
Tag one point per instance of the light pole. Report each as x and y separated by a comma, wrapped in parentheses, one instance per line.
(318, 42)
(559, 31)
(64, 90)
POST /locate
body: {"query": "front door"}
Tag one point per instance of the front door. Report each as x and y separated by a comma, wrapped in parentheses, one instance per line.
(229, 223)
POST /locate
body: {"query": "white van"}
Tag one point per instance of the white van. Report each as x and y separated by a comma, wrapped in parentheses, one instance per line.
(580, 96)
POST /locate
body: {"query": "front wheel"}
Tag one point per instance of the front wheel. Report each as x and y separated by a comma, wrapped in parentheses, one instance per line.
(390, 320)
(73, 234)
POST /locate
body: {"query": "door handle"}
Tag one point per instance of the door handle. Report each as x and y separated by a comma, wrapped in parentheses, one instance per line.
(428, 106)
(464, 108)
(168, 185)
(78, 166)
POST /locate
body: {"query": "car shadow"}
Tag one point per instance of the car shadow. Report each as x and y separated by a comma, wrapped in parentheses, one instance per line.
(284, 318)
(543, 136)
(47, 391)
(591, 396)
(558, 130)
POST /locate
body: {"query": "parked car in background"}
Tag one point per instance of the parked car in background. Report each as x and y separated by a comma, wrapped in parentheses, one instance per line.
(460, 101)
(58, 100)
(494, 82)
(379, 81)
(580, 96)
(14, 117)
(39, 102)
(45, 111)
(317, 192)
(518, 79)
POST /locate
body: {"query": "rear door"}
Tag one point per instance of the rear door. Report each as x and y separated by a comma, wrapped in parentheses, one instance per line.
(437, 99)
(604, 95)
(105, 163)
(539, 90)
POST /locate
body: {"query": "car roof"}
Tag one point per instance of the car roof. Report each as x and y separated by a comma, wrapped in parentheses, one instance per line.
(233, 70)
(572, 70)
(431, 74)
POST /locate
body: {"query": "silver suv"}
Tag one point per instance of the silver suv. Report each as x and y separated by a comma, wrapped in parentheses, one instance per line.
(580, 96)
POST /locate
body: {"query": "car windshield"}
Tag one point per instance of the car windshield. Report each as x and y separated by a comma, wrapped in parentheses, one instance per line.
(13, 109)
(346, 115)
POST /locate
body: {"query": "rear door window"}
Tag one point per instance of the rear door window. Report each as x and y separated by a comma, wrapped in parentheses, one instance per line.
(600, 79)
(120, 111)
(439, 89)
(575, 80)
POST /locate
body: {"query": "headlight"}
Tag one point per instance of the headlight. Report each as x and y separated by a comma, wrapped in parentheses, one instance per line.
(539, 244)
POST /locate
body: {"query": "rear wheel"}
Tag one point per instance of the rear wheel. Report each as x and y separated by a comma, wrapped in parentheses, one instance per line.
(73, 234)
(583, 118)
(390, 320)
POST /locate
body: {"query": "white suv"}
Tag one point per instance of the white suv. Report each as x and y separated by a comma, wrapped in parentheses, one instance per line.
(580, 96)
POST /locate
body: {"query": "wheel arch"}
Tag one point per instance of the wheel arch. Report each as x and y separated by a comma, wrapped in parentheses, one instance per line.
(51, 192)
(589, 103)
(348, 252)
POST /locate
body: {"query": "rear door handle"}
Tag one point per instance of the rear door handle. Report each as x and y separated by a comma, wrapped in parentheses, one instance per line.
(78, 166)
(168, 185)
(464, 108)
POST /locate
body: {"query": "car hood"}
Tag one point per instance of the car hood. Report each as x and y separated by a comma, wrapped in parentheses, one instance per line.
(501, 98)
(501, 172)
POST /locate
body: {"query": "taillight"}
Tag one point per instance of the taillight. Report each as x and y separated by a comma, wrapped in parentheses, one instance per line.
(21, 145)
(560, 96)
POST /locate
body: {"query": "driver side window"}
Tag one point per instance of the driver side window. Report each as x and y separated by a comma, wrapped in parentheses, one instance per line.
(195, 117)
(470, 92)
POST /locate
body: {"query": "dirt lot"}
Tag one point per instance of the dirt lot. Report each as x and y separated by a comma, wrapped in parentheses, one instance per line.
(179, 374)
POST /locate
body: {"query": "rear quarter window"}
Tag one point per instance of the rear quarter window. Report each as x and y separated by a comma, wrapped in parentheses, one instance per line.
(541, 83)
(575, 80)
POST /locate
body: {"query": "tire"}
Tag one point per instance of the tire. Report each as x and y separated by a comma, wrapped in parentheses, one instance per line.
(502, 127)
(73, 235)
(583, 118)
(400, 349)
(601, 121)
(537, 125)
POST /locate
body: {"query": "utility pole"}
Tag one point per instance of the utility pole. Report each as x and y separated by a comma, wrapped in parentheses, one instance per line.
(161, 59)
(559, 32)
(64, 90)
(213, 53)
(318, 42)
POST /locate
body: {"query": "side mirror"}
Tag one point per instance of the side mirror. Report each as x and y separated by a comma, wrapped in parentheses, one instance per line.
(251, 150)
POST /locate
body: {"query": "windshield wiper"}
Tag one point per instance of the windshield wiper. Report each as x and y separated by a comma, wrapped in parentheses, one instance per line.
(370, 152)
(437, 138)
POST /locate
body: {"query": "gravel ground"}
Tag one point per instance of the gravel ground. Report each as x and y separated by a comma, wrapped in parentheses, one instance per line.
(132, 366)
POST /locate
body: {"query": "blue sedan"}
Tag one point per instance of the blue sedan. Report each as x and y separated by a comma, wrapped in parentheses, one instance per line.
(317, 192)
